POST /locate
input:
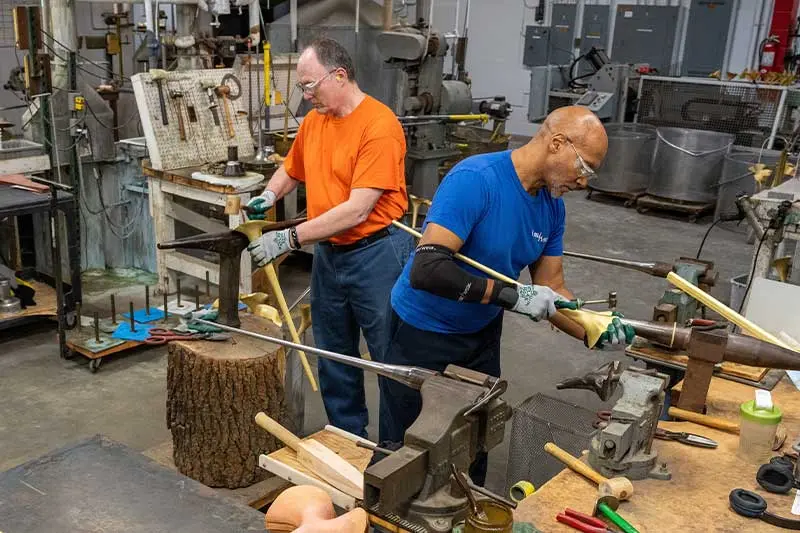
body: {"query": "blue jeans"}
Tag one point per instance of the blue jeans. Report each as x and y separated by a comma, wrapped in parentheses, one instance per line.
(349, 291)
(401, 405)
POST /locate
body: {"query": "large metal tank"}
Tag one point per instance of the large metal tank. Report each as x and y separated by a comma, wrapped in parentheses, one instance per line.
(626, 168)
(687, 164)
(737, 178)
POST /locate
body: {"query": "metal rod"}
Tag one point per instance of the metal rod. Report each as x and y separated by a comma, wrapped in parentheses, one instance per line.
(490, 494)
(641, 266)
(147, 299)
(113, 310)
(374, 448)
(97, 326)
(300, 298)
(133, 322)
(78, 314)
(178, 290)
(411, 376)
(166, 312)
(208, 284)
(196, 297)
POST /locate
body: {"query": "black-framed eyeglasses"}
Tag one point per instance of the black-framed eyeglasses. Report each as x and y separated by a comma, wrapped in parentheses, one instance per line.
(309, 87)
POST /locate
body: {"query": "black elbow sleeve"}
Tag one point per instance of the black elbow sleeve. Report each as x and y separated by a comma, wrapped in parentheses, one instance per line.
(434, 270)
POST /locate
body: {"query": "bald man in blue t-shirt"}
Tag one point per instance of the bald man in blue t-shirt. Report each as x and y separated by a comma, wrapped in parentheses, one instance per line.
(503, 210)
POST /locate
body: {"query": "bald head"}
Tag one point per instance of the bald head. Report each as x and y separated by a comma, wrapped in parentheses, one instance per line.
(583, 128)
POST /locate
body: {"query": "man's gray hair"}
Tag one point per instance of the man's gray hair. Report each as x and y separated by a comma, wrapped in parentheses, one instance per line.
(333, 55)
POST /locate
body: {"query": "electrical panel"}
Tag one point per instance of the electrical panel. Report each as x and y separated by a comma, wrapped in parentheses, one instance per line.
(562, 34)
(645, 34)
(537, 43)
(596, 21)
(706, 36)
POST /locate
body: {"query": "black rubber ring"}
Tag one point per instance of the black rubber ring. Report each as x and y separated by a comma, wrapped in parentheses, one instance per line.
(775, 478)
(747, 503)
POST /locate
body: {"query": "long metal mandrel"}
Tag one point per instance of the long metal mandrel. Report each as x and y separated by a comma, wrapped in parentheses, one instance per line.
(411, 376)
(113, 310)
(648, 267)
(166, 311)
(133, 322)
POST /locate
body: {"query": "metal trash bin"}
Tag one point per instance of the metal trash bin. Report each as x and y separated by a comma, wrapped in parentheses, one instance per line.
(626, 168)
(687, 164)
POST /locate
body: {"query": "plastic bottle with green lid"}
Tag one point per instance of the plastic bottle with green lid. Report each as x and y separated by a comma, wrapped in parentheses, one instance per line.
(759, 421)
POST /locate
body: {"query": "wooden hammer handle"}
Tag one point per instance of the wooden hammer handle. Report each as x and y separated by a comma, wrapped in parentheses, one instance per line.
(575, 464)
(278, 431)
(704, 420)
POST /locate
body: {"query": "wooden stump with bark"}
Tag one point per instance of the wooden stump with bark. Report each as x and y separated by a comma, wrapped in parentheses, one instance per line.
(214, 390)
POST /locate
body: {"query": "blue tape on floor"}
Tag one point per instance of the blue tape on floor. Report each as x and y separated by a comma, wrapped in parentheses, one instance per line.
(124, 332)
(142, 316)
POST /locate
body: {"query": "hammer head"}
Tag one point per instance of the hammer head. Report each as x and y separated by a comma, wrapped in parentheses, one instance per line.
(158, 74)
(207, 84)
(224, 243)
(222, 90)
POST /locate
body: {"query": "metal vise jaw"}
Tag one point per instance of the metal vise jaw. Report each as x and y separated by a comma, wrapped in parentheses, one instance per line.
(624, 447)
(461, 415)
(676, 306)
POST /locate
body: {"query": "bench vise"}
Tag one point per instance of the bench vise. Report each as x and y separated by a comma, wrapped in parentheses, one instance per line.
(623, 444)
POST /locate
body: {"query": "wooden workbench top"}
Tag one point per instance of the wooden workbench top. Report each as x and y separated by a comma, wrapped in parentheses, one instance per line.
(696, 499)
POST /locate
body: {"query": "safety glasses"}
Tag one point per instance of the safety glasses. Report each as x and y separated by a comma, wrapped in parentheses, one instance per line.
(309, 87)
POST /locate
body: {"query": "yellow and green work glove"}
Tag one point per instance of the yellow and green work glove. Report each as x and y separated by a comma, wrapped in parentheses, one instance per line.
(617, 335)
(257, 207)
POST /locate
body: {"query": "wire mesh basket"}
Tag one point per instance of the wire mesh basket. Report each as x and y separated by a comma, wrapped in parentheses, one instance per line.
(753, 113)
(536, 421)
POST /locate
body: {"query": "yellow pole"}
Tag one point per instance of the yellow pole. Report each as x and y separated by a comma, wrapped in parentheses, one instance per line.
(267, 83)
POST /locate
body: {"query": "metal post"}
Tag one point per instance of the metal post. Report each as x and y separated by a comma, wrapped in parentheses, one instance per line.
(96, 326)
(133, 322)
(166, 312)
(208, 284)
(113, 310)
(196, 297)
(778, 115)
(147, 299)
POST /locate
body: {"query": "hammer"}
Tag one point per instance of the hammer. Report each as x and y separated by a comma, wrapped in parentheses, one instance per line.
(223, 91)
(158, 76)
(619, 487)
(212, 105)
(177, 96)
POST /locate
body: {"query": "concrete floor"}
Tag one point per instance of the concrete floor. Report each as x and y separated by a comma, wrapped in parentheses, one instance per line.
(48, 402)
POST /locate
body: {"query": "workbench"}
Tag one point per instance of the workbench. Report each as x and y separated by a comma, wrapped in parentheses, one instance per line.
(166, 184)
(696, 499)
(99, 485)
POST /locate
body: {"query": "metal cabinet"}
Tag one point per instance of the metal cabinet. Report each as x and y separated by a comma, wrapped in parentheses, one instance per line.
(706, 36)
(645, 34)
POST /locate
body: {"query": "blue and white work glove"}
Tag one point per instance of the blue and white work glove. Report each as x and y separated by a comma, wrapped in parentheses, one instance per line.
(258, 206)
(617, 335)
(270, 246)
(536, 301)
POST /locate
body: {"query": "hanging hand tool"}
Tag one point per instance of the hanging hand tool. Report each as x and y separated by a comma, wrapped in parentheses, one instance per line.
(253, 230)
(213, 106)
(177, 98)
(158, 76)
(228, 93)
(582, 522)
(409, 488)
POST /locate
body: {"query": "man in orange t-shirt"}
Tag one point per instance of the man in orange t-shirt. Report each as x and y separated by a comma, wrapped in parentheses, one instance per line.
(350, 153)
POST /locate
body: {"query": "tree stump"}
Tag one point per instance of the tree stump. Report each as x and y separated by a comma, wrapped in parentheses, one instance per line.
(214, 390)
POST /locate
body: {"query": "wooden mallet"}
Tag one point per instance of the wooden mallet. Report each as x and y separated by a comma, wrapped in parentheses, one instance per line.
(619, 487)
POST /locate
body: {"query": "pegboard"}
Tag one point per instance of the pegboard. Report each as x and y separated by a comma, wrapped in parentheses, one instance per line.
(205, 141)
(283, 66)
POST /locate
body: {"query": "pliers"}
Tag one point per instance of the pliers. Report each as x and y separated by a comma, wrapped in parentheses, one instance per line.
(692, 439)
(582, 522)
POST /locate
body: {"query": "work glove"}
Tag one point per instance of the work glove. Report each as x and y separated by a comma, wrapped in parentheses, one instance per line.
(258, 206)
(270, 246)
(617, 335)
(537, 301)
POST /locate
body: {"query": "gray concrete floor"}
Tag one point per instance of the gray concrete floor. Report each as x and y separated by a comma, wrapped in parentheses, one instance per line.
(48, 402)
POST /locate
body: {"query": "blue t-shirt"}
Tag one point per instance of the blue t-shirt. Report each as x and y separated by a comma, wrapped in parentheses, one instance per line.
(502, 226)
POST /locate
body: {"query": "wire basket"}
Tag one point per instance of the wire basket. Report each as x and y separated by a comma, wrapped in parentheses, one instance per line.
(538, 420)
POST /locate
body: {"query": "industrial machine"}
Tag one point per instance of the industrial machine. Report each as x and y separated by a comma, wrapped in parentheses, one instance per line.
(608, 89)
(428, 103)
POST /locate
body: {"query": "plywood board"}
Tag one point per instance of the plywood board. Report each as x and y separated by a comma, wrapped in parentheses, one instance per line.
(732, 369)
(696, 499)
(205, 141)
(45, 299)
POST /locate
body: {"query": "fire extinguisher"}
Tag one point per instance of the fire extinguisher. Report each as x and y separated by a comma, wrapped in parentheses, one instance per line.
(769, 49)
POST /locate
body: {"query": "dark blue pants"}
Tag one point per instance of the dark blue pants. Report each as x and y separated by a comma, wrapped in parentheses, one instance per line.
(349, 291)
(401, 405)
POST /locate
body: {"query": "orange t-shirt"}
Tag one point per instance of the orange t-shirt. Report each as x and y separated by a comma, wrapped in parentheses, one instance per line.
(365, 149)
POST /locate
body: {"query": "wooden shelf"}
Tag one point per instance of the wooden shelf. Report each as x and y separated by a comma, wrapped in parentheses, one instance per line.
(46, 304)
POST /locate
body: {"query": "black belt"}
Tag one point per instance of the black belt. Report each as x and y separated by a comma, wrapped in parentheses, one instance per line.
(361, 243)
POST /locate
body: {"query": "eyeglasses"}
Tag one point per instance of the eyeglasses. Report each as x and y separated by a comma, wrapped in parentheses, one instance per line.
(309, 87)
(584, 170)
